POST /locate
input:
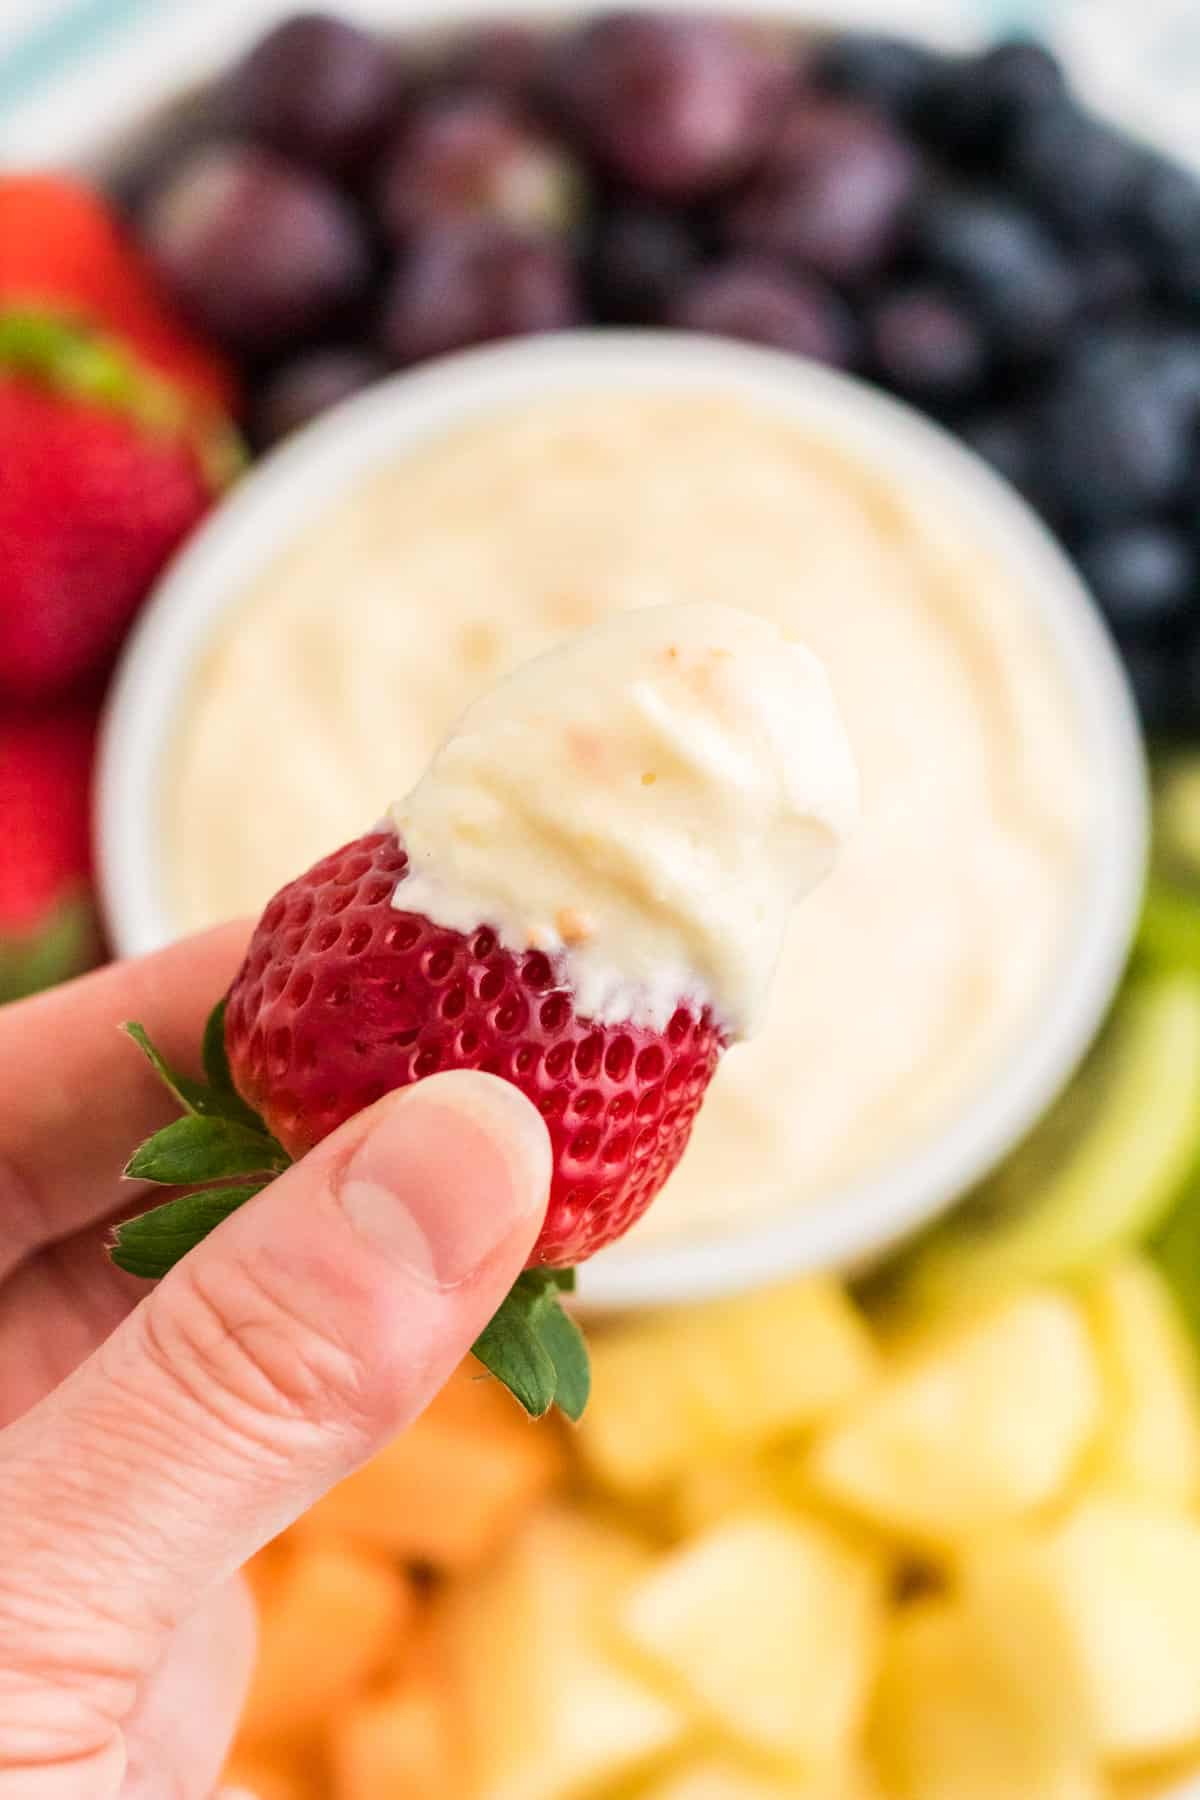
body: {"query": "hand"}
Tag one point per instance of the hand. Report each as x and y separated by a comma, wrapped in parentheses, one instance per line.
(152, 1441)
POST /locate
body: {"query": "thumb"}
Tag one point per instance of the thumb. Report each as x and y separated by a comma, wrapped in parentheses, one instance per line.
(289, 1346)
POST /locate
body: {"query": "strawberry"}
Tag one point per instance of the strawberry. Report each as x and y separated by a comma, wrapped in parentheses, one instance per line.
(105, 470)
(343, 996)
(47, 923)
(64, 251)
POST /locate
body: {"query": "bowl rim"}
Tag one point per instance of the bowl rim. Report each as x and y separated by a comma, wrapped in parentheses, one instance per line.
(862, 1220)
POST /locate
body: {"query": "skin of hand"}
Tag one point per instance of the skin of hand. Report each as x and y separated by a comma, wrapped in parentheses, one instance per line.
(152, 1440)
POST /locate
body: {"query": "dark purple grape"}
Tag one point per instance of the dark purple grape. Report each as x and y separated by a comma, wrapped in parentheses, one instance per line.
(505, 58)
(928, 345)
(1076, 170)
(833, 194)
(1115, 437)
(891, 73)
(260, 253)
(1144, 575)
(471, 157)
(463, 285)
(640, 258)
(320, 89)
(302, 390)
(1008, 442)
(767, 305)
(1005, 264)
(675, 104)
(975, 103)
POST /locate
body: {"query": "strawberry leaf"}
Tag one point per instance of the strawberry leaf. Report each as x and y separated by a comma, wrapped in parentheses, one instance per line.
(155, 1241)
(199, 1148)
(191, 1095)
(226, 1099)
(535, 1349)
(564, 1342)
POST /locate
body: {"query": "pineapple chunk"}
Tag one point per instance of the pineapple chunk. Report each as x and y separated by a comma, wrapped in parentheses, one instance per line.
(973, 1429)
(333, 1618)
(951, 1722)
(261, 1778)
(685, 1388)
(1111, 1598)
(1150, 1444)
(771, 1625)
(717, 1779)
(712, 1491)
(453, 1487)
(544, 1703)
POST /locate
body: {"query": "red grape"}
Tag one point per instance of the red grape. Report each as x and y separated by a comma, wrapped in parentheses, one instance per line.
(833, 194)
(767, 305)
(469, 157)
(319, 88)
(259, 252)
(675, 104)
(466, 285)
(302, 390)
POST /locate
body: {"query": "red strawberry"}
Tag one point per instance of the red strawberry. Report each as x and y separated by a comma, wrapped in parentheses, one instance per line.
(63, 250)
(343, 997)
(105, 471)
(47, 926)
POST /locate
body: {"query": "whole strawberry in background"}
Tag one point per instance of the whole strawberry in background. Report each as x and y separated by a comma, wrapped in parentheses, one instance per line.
(47, 919)
(585, 895)
(115, 438)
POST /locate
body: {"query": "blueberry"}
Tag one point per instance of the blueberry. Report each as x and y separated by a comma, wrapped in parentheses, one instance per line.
(1166, 686)
(1167, 217)
(977, 102)
(891, 73)
(1112, 278)
(1115, 434)
(927, 345)
(765, 304)
(1006, 440)
(1144, 576)
(640, 258)
(1077, 170)
(1005, 264)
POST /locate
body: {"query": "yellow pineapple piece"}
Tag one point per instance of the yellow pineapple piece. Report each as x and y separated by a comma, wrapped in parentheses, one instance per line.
(1110, 1600)
(950, 1721)
(1149, 1446)
(401, 1740)
(683, 1389)
(771, 1625)
(543, 1699)
(977, 1427)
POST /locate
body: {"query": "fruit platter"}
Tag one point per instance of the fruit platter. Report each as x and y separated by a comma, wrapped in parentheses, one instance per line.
(923, 1526)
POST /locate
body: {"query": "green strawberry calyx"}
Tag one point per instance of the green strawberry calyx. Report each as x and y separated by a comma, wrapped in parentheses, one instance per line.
(99, 370)
(220, 1152)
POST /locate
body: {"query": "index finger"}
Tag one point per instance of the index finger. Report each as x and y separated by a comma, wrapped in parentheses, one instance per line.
(78, 1096)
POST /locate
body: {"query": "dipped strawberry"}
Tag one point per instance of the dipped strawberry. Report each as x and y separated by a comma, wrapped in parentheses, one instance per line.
(585, 895)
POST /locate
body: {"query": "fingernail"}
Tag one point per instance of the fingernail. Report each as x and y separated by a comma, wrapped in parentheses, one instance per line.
(449, 1171)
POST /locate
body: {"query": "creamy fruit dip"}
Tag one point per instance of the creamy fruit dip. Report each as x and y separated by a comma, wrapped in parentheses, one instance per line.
(909, 973)
(645, 803)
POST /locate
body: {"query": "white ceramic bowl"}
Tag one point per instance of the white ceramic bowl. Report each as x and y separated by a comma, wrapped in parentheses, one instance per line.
(303, 478)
